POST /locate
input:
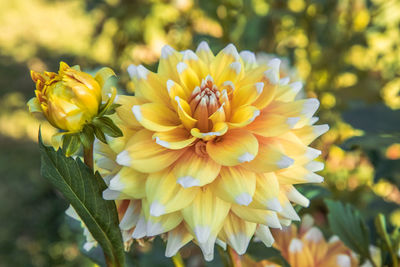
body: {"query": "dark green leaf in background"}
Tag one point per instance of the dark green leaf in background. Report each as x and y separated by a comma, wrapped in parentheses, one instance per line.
(258, 251)
(347, 223)
(83, 190)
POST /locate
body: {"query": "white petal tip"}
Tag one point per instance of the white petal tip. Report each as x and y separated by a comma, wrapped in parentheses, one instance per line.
(296, 87)
(246, 157)
(162, 143)
(157, 209)
(292, 121)
(248, 57)
(202, 233)
(236, 66)
(132, 71)
(274, 204)
(284, 162)
(314, 234)
(203, 46)
(123, 158)
(109, 194)
(189, 55)
(137, 112)
(295, 245)
(243, 199)
(142, 72)
(181, 67)
(166, 51)
(321, 129)
(259, 87)
(188, 181)
(343, 260)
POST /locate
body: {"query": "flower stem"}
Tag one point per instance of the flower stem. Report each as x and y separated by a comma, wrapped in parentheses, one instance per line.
(235, 258)
(88, 156)
(177, 259)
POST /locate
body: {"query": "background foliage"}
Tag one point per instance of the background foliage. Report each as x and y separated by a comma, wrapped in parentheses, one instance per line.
(347, 52)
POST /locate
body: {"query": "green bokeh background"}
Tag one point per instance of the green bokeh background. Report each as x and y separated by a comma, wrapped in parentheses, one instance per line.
(347, 53)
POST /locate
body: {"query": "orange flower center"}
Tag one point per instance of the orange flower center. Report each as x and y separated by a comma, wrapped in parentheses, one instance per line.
(203, 102)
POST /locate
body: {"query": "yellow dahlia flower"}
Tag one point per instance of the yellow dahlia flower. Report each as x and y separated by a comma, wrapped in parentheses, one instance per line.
(307, 246)
(219, 144)
(68, 99)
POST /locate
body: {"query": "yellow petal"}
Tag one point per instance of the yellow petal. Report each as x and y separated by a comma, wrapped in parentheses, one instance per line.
(160, 224)
(270, 124)
(243, 116)
(237, 233)
(205, 54)
(205, 215)
(307, 134)
(175, 90)
(103, 75)
(265, 217)
(142, 152)
(195, 63)
(125, 110)
(187, 76)
(233, 148)
(298, 175)
(246, 95)
(130, 182)
(177, 238)
(219, 129)
(168, 61)
(150, 85)
(233, 72)
(195, 170)
(165, 195)
(299, 254)
(177, 138)
(267, 192)
(269, 158)
(224, 58)
(156, 117)
(185, 113)
(235, 185)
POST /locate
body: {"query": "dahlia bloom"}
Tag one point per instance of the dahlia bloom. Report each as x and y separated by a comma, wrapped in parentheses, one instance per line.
(307, 246)
(217, 144)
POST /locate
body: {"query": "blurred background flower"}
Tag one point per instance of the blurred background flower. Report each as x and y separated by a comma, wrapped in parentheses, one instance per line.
(347, 52)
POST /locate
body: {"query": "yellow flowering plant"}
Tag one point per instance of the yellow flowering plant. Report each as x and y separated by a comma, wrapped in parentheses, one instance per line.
(213, 146)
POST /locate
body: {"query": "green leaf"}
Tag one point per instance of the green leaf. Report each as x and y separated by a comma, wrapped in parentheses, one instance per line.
(107, 126)
(347, 223)
(83, 190)
(70, 144)
(258, 251)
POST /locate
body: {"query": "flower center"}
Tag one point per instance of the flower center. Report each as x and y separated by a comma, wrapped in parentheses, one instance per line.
(203, 102)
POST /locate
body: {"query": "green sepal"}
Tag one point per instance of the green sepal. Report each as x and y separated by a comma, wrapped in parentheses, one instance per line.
(107, 106)
(107, 126)
(99, 134)
(71, 144)
(87, 136)
(83, 190)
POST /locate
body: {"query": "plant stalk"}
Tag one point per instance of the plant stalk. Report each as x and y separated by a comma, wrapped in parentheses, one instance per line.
(88, 156)
(178, 261)
(235, 258)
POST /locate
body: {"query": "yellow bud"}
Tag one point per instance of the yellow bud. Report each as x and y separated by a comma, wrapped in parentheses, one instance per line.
(68, 99)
